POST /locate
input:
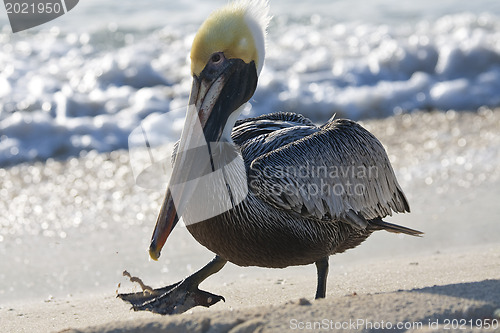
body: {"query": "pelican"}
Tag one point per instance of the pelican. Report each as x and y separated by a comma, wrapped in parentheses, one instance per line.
(271, 191)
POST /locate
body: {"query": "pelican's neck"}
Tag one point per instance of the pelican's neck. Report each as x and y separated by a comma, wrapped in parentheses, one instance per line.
(231, 120)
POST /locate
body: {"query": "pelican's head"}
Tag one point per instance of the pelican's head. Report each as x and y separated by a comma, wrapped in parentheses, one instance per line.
(226, 57)
(237, 31)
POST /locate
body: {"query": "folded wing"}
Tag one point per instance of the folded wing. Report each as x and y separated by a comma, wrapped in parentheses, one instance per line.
(341, 172)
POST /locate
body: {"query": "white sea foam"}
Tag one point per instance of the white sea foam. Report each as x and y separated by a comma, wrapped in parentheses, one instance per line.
(63, 91)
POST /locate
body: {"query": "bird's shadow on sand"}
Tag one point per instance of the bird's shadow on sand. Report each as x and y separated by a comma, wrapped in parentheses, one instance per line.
(487, 292)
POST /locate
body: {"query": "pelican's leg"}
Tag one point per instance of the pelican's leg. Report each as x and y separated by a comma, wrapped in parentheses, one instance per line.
(322, 268)
(178, 297)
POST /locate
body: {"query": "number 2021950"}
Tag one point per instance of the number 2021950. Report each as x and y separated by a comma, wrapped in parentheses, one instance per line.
(32, 8)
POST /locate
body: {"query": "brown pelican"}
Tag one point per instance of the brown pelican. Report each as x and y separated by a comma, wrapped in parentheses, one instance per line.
(270, 191)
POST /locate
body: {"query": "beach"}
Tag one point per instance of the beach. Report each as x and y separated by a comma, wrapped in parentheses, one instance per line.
(424, 293)
(96, 222)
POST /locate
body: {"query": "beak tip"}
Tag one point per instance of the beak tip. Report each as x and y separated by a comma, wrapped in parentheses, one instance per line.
(154, 253)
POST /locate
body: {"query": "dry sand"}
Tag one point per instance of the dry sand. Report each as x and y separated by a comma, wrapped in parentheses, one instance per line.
(449, 166)
(419, 292)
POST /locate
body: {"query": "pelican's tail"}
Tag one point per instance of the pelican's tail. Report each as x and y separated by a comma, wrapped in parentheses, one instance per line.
(378, 224)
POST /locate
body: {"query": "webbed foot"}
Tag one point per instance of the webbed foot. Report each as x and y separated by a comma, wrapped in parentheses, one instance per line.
(178, 297)
(173, 299)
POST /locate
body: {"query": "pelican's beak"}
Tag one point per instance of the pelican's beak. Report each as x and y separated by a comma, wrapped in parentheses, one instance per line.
(220, 89)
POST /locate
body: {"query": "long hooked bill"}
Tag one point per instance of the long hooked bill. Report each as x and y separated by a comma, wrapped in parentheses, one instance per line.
(199, 166)
(191, 162)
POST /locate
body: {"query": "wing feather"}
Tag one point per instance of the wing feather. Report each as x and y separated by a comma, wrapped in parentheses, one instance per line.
(340, 172)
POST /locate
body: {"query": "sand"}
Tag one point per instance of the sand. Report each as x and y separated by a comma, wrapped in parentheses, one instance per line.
(419, 292)
(447, 163)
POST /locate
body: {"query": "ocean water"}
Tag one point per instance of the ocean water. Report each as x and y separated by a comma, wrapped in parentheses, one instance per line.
(86, 80)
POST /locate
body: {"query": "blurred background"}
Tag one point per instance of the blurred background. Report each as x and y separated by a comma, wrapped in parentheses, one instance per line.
(86, 79)
(72, 91)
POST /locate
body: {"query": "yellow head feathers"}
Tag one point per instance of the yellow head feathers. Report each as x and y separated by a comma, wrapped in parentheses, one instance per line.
(238, 30)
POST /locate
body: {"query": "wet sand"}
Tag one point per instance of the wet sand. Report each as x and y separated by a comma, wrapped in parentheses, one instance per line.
(448, 165)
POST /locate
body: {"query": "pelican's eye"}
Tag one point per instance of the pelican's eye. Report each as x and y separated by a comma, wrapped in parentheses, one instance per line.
(217, 58)
(215, 65)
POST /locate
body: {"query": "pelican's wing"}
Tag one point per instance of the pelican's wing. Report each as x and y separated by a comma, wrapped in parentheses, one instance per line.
(256, 136)
(340, 172)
